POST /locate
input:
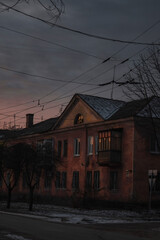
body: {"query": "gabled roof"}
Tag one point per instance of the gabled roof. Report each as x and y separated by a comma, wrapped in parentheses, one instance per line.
(39, 127)
(104, 107)
(6, 134)
(133, 108)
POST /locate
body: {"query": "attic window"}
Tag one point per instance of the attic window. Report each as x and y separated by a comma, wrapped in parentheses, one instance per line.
(78, 119)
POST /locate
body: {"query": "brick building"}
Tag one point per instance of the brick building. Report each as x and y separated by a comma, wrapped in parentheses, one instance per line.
(107, 148)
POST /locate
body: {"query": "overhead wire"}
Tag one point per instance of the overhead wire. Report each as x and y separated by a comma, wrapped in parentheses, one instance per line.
(153, 25)
(50, 42)
(78, 31)
(99, 64)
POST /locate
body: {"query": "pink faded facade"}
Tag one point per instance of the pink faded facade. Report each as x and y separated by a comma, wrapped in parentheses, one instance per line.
(106, 147)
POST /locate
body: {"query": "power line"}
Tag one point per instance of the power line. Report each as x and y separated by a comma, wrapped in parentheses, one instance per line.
(104, 61)
(38, 76)
(78, 31)
(49, 42)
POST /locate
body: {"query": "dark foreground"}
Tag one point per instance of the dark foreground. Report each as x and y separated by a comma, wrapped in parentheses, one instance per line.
(21, 227)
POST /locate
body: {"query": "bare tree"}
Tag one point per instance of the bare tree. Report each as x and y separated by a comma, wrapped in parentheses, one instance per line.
(53, 8)
(146, 75)
(11, 162)
(145, 79)
(42, 159)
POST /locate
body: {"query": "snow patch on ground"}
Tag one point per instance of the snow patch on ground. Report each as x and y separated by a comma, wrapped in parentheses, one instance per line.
(16, 237)
(62, 214)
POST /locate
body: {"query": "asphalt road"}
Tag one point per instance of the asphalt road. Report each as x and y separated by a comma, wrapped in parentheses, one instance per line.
(40, 229)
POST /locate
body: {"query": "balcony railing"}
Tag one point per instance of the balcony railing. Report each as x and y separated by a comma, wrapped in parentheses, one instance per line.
(109, 158)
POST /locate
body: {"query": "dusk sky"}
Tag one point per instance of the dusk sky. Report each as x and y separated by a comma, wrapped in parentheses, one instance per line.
(67, 62)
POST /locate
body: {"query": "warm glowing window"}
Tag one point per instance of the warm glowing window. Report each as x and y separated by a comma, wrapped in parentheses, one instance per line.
(78, 119)
(109, 140)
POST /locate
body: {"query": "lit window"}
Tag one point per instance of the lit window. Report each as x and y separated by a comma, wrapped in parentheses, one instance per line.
(109, 140)
(78, 119)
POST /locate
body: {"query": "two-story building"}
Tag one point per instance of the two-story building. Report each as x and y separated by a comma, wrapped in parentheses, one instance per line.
(108, 148)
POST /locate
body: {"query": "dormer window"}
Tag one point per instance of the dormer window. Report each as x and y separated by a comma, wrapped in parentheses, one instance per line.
(78, 119)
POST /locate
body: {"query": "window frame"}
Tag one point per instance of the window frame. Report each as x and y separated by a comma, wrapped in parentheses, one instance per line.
(89, 180)
(77, 147)
(114, 181)
(154, 148)
(108, 141)
(90, 145)
(96, 180)
(96, 145)
(79, 119)
(64, 180)
(47, 180)
(58, 180)
(65, 148)
(59, 148)
(75, 180)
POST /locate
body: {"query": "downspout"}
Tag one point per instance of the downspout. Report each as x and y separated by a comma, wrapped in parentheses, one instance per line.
(133, 163)
(85, 164)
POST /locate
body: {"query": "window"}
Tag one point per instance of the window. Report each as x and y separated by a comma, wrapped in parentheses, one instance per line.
(156, 187)
(58, 180)
(113, 180)
(89, 180)
(24, 182)
(48, 179)
(65, 148)
(37, 180)
(0, 181)
(76, 146)
(61, 180)
(96, 180)
(75, 180)
(90, 145)
(155, 144)
(110, 140)
(96, 145)
(59, 148)
(64, 179)
(48, 148)
(45, 149)
(78, 119)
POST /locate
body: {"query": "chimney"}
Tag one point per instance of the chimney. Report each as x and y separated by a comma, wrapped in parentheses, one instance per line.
(29, 120)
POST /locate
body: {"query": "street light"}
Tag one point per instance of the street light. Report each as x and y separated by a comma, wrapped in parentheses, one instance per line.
(152, 174)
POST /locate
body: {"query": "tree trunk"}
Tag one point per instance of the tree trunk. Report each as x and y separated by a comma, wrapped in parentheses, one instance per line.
(9, 198)
(31, 199)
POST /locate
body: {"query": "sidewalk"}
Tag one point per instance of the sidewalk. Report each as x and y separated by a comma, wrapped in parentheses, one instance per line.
(62, 214)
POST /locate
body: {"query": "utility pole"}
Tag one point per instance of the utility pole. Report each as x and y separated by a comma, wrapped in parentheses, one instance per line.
(14, 116)
(152, 174)
(113, 81)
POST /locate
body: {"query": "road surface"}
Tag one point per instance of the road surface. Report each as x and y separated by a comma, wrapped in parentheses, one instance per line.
(29, 228)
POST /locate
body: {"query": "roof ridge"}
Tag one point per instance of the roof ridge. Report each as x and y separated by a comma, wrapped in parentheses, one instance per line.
(100, 97)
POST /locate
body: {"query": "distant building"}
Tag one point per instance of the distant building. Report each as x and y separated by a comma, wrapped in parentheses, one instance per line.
(107, 148)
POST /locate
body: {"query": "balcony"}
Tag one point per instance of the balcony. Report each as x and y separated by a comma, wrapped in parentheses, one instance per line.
(109, 158)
